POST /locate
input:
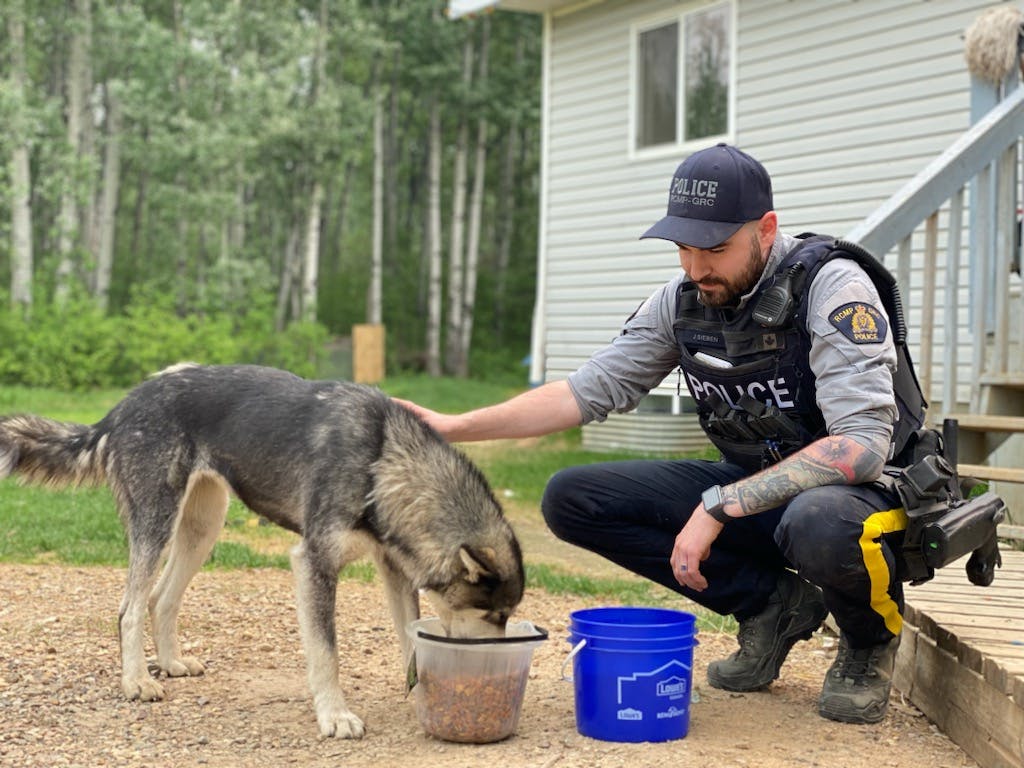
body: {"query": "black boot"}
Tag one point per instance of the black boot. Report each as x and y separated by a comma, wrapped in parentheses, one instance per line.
(856, 688)
(793, 612)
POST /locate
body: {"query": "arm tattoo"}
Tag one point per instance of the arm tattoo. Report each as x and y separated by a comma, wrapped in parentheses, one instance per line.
(833, 460)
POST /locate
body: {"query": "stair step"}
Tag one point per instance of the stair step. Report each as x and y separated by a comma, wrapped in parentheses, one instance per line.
(1007, 380)
(981, 422)
(984, 472)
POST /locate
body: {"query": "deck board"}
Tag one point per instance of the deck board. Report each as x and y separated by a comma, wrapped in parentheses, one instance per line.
(961, 661)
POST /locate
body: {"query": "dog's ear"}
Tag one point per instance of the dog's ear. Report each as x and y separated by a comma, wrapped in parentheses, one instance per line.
(478, 562)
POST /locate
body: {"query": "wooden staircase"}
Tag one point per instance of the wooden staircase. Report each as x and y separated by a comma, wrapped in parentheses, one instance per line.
(954, 227)
(986, 440)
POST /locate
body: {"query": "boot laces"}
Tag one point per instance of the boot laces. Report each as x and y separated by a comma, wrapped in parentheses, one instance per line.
(752, 632)
(856, 664)
(746, 637)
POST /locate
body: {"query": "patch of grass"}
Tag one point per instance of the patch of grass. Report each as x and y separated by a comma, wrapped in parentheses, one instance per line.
(81, 407)
(448, 395)
(76, 527)
(560, 582)
(229, 555)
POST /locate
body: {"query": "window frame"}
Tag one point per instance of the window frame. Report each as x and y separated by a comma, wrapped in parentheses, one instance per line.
(680, 145)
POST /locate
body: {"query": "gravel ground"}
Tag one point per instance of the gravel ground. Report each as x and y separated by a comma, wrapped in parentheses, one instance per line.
(60, 703)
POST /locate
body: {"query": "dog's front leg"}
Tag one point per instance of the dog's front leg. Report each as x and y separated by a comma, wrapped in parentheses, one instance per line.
(403, 602)
(315, 590)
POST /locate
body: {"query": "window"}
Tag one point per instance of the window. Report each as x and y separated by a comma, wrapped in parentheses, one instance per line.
(683, 76)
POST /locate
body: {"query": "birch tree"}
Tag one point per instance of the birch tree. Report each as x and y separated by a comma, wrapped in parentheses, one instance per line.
(311, 262)
(434, 243)
(507, 199)
(74, 84)
(374, 310)
(456, 250)
(21, 175)
(109, 191)
(465, 330)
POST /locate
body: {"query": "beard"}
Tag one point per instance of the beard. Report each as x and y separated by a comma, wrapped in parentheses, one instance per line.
(724, 292)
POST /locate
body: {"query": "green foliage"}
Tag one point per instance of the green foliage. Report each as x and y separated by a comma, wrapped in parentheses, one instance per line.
(227, 121)
(79, 347)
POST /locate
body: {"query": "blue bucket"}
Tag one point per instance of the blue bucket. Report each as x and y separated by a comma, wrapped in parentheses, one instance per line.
(632, 672)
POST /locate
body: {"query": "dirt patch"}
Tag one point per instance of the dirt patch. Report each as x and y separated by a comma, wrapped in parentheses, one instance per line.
(60, 703)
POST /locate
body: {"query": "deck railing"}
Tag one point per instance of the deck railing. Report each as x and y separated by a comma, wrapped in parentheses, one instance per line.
(982, 168)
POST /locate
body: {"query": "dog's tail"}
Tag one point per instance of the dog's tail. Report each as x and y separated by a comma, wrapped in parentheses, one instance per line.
(52, 453)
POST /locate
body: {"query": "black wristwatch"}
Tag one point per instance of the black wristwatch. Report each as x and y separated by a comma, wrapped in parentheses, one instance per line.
(714, 504)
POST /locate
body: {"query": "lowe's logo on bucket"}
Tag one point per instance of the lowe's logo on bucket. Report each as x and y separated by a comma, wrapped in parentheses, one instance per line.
(630, 714)
(674, 687)
(641, 684)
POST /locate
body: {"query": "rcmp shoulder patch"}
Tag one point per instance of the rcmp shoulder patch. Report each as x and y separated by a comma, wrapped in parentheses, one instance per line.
(859, 322)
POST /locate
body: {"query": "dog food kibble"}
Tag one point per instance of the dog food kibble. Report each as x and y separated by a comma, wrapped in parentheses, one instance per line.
(475, 709)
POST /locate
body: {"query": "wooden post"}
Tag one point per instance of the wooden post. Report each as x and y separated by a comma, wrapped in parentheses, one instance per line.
(368, 353)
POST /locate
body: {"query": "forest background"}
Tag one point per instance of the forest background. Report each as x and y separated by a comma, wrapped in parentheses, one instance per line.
(244, 180)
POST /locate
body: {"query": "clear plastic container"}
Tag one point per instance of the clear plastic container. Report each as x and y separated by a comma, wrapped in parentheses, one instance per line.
(471, 689)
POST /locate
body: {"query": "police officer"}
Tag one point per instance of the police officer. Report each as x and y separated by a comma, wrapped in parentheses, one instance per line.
(792, 370)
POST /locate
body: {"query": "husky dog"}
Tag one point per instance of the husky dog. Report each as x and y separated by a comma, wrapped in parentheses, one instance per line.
(341, 464)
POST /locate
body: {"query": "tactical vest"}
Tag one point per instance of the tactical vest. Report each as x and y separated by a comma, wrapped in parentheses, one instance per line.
(748, 370)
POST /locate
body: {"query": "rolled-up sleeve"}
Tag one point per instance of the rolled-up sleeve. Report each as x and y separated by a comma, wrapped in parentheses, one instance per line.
(617, 377)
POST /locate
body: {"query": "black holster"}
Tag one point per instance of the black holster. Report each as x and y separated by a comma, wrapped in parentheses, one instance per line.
(942, 526)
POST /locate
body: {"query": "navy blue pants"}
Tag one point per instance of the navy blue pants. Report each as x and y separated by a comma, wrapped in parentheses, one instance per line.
(845, 539)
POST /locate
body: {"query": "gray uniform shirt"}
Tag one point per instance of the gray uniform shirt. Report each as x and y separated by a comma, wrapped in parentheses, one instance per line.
(854, 380)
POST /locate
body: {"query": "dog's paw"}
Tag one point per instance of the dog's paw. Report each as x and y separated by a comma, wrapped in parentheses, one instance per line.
(142, 688)
(185, 666)
(340, 724)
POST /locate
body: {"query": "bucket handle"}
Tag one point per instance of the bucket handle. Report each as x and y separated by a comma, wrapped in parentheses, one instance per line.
(575, 649)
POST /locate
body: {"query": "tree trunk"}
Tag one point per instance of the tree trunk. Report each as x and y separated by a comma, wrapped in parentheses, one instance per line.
(391, 158)
(288, 274)
(89, 221)
(475, 219)
(139, 210)
(108, 200)
(434, 243)
(456, 252)
(311, 262)
(21, 178)
(182, 262)
(373, 300)
(68, 217)
(506, 207)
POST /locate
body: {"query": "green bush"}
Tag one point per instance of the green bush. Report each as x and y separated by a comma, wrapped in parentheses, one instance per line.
(79, 347)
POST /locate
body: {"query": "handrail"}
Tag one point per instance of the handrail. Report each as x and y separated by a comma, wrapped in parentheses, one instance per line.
(941, 179)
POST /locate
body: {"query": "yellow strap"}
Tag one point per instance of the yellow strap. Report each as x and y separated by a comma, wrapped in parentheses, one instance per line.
(875, 526)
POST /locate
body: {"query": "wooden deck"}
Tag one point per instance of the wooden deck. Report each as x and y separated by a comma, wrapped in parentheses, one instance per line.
(961, 660)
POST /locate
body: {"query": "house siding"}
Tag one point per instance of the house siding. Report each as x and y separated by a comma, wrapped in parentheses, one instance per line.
(842, 100)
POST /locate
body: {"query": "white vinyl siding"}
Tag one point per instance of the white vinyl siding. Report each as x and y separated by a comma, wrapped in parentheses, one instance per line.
(842, 100)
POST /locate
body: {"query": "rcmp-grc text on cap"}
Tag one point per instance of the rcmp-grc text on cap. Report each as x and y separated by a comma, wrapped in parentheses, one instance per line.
(714, 192)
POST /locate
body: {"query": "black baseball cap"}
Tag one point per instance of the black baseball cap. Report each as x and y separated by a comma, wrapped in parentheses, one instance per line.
(714, 192)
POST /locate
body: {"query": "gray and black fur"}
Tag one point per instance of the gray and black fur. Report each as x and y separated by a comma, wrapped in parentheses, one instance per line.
(340, 464)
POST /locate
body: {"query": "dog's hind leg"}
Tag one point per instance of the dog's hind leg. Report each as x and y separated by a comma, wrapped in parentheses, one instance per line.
(316, 585)
(403, 602)
(147, 536)
(200, 520)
